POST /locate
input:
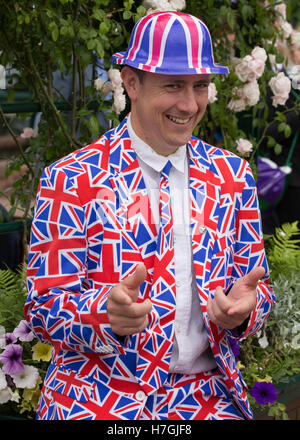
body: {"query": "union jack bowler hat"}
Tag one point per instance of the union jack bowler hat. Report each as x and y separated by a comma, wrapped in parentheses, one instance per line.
(172, 43)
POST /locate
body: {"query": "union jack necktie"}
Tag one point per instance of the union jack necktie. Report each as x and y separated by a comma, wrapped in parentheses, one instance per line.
(152, 369)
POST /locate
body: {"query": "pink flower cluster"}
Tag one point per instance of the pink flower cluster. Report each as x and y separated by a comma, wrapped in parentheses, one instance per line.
(251, 67)
(119, 97)
(248, 70)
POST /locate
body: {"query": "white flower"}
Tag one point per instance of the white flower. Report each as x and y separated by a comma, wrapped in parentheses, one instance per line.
(115, 78)
(163, 5)
(281, 87)
(104, 87)
(251, 93)
(243, 68)
(27, 379)
(250, 68)
(263, 342)
(259, 53)
(212, 93)
(244, 146)
(3, 383)
(5, 395)
(119, 102)
(177, 5)
(119, 97)
(237, 105)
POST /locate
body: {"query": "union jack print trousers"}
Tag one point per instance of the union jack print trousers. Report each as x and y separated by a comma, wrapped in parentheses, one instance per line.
(201, 396)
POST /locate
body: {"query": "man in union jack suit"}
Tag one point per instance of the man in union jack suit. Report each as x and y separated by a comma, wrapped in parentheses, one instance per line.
(146, 252)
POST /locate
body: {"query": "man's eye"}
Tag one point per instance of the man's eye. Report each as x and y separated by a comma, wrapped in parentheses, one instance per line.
(202, 85)
(172, 86)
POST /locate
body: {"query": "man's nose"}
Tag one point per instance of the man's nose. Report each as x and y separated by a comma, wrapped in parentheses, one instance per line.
(188, 102)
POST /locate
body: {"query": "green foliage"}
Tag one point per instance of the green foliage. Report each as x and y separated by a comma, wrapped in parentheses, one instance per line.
(274, 352)
(283, 248)
(12, 298)
(41, 38)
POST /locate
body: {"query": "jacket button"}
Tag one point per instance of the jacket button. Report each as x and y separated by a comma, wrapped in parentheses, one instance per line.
(140, 395)
(202, 229)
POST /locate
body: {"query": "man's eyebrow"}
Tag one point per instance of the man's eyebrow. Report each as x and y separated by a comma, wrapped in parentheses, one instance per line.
(181, 81)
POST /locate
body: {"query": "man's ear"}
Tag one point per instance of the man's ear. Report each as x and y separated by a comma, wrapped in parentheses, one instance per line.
(131, 82)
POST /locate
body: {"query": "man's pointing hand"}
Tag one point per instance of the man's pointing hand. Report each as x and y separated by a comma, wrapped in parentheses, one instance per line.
(126, 316)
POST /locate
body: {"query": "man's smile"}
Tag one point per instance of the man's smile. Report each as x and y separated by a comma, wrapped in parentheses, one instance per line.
(178, 120)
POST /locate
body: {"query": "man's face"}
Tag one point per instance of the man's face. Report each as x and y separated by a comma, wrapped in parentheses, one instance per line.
(166, 108)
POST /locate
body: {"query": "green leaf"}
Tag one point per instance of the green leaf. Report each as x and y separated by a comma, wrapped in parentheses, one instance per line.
(104, 28)
(287, 131)
(278, 149)
(127, 15)
(281, 126)
(94, 125)
(91, 44)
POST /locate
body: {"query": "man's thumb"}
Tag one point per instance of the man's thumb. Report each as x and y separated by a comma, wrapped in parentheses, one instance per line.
(254, 276)
(134, 281)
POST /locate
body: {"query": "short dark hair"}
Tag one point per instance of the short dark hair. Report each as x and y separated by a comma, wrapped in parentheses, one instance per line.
(140, 73)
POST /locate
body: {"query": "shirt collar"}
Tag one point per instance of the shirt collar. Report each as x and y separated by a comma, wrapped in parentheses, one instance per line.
(153, 159)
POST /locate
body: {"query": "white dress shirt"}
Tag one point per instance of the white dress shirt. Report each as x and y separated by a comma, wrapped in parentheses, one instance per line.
(191, 352)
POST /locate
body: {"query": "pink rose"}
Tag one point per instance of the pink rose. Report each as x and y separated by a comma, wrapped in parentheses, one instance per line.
(237, 105)
(115, 78)
(28, 132)
(247, 95)
(259, 53)
(251, 93)
(251, 68)
(243, 69)
(119, 101)
(243, 146)
(104, 87)
(212, 93)
(281, 87)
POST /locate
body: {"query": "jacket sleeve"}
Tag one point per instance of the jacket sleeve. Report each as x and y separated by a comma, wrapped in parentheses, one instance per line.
(63, 307)
(249, 252)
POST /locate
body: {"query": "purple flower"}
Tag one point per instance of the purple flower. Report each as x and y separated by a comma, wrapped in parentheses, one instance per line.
(11, 358)
(264, 392)
(10, 338)
(23, 331)
(234, 346)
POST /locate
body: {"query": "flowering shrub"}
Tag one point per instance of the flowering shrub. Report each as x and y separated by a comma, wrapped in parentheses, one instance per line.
(269, 358)
(42, 38)
(23, 359)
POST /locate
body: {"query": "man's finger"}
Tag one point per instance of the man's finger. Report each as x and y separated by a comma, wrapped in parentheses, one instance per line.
(221, 300)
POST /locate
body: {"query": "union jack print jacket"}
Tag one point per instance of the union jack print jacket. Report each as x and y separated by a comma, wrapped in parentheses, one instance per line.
(92, 226)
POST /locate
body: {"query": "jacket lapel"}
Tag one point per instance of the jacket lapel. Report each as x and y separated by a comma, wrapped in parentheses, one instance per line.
(139, 234)
(204, 197)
